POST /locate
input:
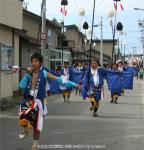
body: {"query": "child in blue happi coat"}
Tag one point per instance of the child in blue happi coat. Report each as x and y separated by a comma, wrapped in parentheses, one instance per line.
(69, 73)
(35, 85)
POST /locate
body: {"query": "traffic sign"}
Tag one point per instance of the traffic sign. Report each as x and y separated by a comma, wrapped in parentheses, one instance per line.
(43, 36)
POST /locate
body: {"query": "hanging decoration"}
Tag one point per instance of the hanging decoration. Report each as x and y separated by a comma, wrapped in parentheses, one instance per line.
(63, 10)
(119, 26)
(82, 12)
(85, 26)
(118, 3)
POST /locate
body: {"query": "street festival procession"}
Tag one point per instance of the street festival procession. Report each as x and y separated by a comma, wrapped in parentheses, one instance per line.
(71, 74)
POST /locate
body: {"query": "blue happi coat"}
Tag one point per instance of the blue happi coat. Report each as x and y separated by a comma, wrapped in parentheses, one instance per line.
(114, 81)
(127, 80)
(54, 86)
(117, 81)
(26, 84)
(134, 70)
(43, 82)
(88, 83)
(74, 75)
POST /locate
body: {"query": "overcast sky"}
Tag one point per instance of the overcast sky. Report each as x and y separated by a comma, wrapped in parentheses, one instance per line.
(129, 17)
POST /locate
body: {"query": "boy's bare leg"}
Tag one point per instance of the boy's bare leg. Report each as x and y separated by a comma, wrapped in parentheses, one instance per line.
(24, 133)
(36, 137)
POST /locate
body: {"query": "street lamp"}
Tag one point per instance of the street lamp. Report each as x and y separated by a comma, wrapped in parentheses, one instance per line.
(138, 9)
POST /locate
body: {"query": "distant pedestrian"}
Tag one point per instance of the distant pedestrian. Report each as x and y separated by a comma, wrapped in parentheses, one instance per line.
(141, 73)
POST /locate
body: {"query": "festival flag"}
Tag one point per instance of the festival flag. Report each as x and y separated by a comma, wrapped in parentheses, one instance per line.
(121, 7)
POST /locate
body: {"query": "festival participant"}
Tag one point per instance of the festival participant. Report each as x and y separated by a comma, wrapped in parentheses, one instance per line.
(141, 73)
(93, 85)
(65, 72)
(120, 68)
(119, 80)
(33, 108)
(78, 68)
(69, 73)
(115, 89)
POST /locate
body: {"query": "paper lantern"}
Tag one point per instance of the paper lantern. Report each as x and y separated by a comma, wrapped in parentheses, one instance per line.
(85, 26)
(64, 2)
(119, 26)
(110, 12)
(82, 12)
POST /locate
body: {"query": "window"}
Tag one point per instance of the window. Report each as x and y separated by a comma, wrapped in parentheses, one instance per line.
(66, 56)
(55, 54)
(49, 33)
(6, 57)
(65, 43)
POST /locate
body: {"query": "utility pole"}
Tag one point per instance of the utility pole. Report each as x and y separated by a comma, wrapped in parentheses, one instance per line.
(43, 32)
(101, 43)
(91, 39)
(124, 52)
(62, 42)
(134, 48)
(143, 40)
(133, 52)
(124, 44)
(141, 25)
(143, 48)
(121, 51)
(118, 49)
(138, 9)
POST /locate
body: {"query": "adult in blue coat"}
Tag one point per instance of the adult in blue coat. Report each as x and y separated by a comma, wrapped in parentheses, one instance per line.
(114, 81)
(93, 85)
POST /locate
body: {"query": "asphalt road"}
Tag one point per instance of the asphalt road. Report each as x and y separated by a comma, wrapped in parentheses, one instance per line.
(72, 126)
